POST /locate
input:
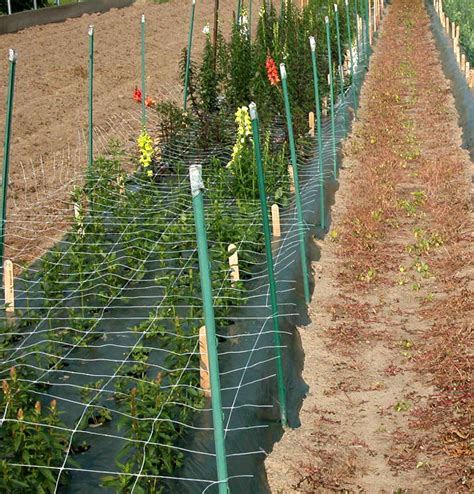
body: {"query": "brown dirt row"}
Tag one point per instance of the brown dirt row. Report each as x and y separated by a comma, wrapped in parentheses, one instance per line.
(50, 105)
(387, 352)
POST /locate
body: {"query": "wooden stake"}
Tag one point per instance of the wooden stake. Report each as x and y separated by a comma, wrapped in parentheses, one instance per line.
(204, 366)
(276, 221)
(463, 62)
(324, 106)
(471, 78)
(8, 287)
(292, 179)
(233, 263)
(311, 123)
(467, 71)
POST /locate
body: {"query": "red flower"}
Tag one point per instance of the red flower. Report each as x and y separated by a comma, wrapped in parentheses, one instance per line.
(137, 95)
(272, 71)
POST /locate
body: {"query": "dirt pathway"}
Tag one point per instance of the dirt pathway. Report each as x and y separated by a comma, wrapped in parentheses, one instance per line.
(386, 357)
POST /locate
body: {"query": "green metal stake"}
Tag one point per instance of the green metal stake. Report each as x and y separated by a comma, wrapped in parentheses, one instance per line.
(6, 151)
(367, 32)
(143, 70)
(250, 19)
(312, 43)
(294, 164)
(349, 37)
(269, 255)
(339, 52)
(331, 92)
(239, 9)
(356, 14)
(90, 160)
(188, 56)
(195, 176)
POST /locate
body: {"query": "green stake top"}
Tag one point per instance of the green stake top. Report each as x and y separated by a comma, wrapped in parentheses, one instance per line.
(335, 7)
(195, 177)
(253, 111)
(143, 18)
(283, 71)
(326, 19)
(12, 55)
(90, 30)
(312, 43)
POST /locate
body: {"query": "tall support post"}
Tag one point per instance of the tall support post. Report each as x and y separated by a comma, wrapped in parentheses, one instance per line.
(9, 7)
(269, 256)
(188, 56)
(339, 52)
(294, 164)
(215, 32)
(197, 186)
(6, 150)
(357, 33)
(322, 207)
(250, 20)
(90, 150)
(351, 55)
(331, 95)
(142, 32)
(239, 11)
(367, 32)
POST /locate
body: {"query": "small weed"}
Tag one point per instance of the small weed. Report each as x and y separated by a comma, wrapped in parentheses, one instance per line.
(416, 287)
(402, 406)
(369, 276)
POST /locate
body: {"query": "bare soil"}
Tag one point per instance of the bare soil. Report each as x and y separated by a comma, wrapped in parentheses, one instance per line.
(50, 105)
(387, 352)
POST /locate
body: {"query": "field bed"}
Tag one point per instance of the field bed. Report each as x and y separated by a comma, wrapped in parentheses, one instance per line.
(103, 362)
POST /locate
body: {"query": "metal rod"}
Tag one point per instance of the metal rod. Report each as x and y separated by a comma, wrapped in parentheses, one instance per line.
(269, 256)
(294, 164)
(90, 160)
(12, 57)
(312, 43)
(250, 20)
(339, 52)
(349, 37)
(331, 94)
(188, 55)
(142, 24)
(195, 176)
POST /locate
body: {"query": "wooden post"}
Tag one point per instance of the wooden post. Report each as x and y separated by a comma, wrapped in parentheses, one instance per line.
(8, 287)
(292, 180)
(463, 62)
(204, 365)
(471, 78)
(311, 123)
(276, 221)
(233, 263)
(467, 71)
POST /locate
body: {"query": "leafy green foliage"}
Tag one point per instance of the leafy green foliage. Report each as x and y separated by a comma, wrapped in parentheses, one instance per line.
(462, 13)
